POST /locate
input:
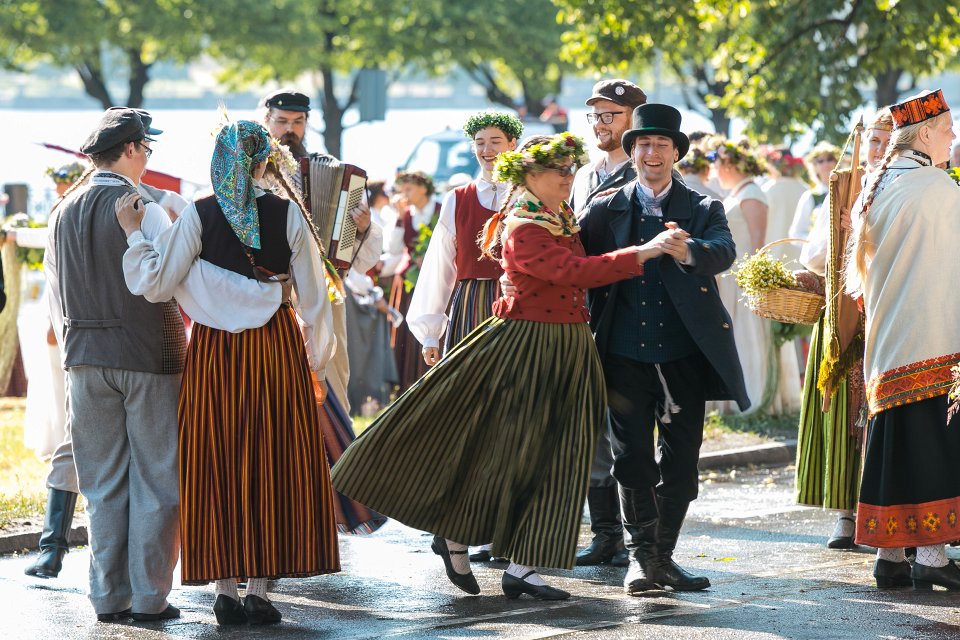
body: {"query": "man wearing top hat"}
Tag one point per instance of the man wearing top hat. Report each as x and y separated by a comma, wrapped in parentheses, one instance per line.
(285, 117)
(665, 341)
(124, 357)
(612, 102)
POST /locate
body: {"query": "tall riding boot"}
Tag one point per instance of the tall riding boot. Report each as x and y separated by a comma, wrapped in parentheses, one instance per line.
(663, 570)
(56, 529)
(604, 508)
(639, 510)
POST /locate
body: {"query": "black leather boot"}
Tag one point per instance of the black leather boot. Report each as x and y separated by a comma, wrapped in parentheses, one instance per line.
(605, 523)
(662, 570)
(639, 509)
(56, 529)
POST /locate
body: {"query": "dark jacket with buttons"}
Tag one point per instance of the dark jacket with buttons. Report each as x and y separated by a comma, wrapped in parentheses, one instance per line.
(612, 222)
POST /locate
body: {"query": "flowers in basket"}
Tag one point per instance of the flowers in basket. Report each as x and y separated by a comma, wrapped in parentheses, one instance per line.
(761, 273)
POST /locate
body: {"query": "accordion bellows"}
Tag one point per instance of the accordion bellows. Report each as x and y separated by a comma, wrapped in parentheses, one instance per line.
(330, 190)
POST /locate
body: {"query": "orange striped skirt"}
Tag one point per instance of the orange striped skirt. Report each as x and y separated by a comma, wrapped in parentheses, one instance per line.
(255, 493)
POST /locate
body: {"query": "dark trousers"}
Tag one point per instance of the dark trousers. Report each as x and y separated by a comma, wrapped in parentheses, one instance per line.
(636, 399)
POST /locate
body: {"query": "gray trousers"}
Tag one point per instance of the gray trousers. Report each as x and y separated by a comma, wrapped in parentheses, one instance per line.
(124, 426)
(63, 472)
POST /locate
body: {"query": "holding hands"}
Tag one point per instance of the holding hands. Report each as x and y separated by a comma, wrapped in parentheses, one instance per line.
(672, 241)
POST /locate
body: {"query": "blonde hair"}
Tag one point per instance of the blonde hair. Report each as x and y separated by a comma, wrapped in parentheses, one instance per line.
(901, 140)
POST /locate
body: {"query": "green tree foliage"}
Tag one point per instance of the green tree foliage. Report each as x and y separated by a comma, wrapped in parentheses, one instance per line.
(781, 65)
(511, 49)
(85, 34)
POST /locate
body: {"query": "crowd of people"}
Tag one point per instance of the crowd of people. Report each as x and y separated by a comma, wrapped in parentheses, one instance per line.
(552, 331)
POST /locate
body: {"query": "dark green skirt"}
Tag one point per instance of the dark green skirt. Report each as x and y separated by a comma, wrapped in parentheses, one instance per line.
(828, 457)
(493, 444)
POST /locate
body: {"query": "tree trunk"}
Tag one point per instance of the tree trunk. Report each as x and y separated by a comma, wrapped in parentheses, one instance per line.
(721, 122)
(887, 82)
(332, 115)
(139, 77)
(93, 83)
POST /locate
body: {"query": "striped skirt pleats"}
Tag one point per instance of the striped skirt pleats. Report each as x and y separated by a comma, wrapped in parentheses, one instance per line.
(352, 517)
(471, 304)
(256, 499)
(828, 451)
(493, 444)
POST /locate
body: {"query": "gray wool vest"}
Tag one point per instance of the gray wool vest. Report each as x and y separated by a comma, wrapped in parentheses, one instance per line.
(104, 325)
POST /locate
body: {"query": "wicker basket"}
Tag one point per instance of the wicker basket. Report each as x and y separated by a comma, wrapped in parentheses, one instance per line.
(791, 306)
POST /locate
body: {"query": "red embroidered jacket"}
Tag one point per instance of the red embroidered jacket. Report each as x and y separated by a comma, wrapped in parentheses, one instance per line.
(551, 274)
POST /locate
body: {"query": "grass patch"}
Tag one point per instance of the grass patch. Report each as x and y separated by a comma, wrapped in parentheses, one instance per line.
(782, 426)
(360, 423)
(23, 492)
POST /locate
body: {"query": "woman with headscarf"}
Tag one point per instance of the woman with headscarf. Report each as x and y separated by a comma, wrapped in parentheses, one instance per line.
(495, 442)
(256, 501)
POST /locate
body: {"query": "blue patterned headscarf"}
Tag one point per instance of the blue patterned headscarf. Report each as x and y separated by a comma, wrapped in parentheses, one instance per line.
(240, 146)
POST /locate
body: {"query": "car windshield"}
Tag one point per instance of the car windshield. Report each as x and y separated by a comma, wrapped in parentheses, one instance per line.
(443, 158)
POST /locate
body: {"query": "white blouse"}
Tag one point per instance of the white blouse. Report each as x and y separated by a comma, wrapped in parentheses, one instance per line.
(157, 268)
(426, 315)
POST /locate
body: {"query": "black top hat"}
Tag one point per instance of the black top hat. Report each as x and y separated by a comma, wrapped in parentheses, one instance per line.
(287, 100)
(117, 126)
(656, 120)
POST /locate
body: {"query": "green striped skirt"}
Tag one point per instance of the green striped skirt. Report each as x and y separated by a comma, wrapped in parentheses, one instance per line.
(471, 304)
(828, 458)
(493, 444)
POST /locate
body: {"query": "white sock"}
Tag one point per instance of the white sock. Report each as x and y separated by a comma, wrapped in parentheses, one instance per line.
(227, 588)
(257, 587)
(891, 555)
(520, 570)
(485, 547)
(846, 525)
(932, 556)
(460, 561)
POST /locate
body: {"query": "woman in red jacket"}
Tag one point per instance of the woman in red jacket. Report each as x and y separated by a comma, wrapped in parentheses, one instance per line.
(495, 442)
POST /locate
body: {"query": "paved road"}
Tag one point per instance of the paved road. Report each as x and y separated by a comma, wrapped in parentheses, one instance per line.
(772, 578)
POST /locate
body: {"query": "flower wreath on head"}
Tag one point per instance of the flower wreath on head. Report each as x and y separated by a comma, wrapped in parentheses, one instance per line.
(740, 156)
(695, 161)
(67, 174)
(415, 177)
(513, 166)
(510, 125)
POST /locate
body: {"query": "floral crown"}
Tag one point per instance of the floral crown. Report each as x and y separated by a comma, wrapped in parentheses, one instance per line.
(507, 123)
(415, 177)
(513, 166)
(67, 174)
(784, 162)
(738, 154)
(695, 161)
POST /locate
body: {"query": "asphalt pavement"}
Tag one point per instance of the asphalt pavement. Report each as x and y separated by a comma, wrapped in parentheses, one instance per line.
(772, 577)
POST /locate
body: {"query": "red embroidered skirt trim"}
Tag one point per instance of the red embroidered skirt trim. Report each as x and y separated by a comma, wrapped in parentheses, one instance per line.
(911, 383)
(908, 525)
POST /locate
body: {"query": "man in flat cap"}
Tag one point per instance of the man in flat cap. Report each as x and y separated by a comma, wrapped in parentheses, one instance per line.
(612, 103)
(124, 357)
(285, 117)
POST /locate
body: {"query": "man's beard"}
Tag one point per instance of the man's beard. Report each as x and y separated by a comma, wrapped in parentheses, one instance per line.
(293, 142)
(612, 143)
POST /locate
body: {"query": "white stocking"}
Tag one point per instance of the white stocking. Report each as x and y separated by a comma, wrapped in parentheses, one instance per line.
(257, 587)
(460, 561)
(227, 588)
(519, 571)
(932, 556)
(891, 555)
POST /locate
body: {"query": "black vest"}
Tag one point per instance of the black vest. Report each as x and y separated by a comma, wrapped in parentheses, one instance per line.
(647, 327)
(221, 246)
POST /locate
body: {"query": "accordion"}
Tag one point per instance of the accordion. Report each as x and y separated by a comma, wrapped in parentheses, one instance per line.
(330, 190)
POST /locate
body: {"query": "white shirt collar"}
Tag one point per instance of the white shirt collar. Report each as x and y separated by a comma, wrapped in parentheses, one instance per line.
(105, 178)
(647, 190)
(484, 185)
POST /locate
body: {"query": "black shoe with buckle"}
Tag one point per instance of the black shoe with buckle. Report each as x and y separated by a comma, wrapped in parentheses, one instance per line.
(513, 587)
(463, 581)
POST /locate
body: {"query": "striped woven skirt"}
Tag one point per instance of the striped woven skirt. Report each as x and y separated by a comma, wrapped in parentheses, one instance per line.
(352, 517)
(471, 304)
(255, 494)
(493, 444)
(828, 451)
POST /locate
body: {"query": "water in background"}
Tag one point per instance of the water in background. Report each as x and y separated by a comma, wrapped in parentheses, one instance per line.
(185, 147)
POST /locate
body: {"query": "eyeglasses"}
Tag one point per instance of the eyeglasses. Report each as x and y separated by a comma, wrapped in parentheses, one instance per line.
(147, 150)
(606, 117)
(569, 170)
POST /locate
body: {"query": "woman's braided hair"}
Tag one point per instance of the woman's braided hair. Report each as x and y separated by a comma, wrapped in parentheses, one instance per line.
(901, 140)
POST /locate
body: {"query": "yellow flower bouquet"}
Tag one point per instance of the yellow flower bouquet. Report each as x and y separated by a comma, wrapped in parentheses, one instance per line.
(772, 291)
